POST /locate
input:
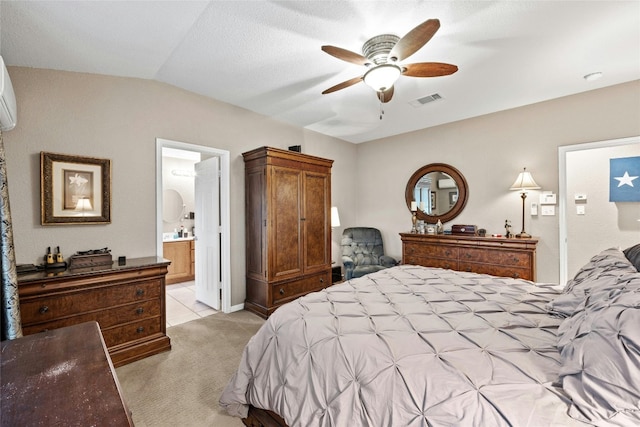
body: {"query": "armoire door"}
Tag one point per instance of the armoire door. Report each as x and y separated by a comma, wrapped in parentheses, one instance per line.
(285, 217)
(316, 224)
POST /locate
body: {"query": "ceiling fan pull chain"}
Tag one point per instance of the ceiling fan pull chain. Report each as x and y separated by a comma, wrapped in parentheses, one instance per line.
(380, 95)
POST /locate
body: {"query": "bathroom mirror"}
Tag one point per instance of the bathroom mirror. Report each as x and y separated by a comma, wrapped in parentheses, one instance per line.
(172, 206)
(438, 192)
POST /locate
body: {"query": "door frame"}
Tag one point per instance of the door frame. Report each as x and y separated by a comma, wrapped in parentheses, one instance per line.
(563, 213)
(225, 215)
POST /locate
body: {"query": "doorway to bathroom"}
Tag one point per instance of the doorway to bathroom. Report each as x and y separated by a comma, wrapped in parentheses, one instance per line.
(199, 220)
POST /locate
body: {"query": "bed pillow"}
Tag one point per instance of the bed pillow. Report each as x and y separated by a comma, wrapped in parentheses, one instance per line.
(601, 271)
(633, 255)
(600, 355)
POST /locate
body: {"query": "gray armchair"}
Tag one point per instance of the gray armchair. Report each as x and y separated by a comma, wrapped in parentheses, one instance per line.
(363, 252)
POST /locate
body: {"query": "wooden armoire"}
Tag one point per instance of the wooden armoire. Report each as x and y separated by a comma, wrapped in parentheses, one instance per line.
(288, 227)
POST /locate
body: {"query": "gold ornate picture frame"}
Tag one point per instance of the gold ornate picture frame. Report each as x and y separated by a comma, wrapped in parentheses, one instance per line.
(74, 189)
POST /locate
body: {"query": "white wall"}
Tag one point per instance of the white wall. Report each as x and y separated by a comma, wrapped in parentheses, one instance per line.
(605, 224)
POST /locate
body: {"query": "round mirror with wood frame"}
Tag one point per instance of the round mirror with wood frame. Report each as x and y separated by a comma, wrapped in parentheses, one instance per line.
(438, 192)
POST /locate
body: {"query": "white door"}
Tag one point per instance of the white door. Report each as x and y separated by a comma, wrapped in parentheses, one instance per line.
(207, 223)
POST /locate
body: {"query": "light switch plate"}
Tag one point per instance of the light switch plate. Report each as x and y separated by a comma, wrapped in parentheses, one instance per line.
(548, 210)
(580, 209)
(534, 209)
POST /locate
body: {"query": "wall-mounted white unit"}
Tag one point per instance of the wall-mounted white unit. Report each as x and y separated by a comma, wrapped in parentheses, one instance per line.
(8, 108)
(446, 183)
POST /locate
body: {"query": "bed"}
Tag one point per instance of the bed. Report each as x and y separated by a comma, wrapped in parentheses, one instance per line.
(416, 346)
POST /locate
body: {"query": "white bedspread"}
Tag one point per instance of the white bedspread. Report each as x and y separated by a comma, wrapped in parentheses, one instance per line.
(408, 346)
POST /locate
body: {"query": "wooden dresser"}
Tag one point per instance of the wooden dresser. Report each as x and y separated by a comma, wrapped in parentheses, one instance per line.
(127, 301)
(288, 227)
(61, 377)
(497, 256)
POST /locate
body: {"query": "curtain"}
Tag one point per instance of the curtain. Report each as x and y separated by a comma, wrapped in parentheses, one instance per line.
(11, 326)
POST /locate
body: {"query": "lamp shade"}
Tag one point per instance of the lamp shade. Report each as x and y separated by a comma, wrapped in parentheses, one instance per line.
(382, 77)
(83, 204)
(335, 218)
(524, 181)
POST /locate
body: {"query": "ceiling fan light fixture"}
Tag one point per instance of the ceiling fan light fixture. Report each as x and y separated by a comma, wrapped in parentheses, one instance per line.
(382, 77)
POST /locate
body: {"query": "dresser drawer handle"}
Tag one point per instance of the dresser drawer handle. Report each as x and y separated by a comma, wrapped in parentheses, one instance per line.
(140, 329)
(139, 292)
(447, 253)
(514, 259)
(468, 255)
(321, 280)
(44, 309)
(140, 310)
(516, 275)
(281, 291)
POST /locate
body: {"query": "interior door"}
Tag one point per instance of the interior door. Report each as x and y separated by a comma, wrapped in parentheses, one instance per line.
(207, 223)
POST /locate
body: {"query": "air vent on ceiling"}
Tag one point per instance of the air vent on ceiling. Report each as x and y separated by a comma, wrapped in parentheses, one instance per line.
(425, 100)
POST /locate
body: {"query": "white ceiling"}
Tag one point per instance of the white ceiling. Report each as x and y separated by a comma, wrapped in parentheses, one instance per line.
(265, 55)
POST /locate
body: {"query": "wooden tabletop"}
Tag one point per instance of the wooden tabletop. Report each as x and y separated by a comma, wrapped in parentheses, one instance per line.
(60, 377)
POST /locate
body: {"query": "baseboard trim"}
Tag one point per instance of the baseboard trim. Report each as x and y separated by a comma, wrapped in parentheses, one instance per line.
(236, 307)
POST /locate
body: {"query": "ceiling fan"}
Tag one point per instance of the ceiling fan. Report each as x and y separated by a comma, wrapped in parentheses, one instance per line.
(382, 56)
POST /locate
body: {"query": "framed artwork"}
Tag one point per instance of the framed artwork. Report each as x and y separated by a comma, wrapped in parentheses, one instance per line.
(453, 197)
(433, 201)
(74, 189)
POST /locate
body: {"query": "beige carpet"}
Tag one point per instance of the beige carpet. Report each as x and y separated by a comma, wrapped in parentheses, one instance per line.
(182, 387)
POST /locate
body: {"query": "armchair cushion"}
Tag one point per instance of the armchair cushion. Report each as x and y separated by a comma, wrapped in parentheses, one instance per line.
(363, 252)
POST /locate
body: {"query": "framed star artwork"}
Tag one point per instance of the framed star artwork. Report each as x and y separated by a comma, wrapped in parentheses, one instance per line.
(74, 190)
(624, 179)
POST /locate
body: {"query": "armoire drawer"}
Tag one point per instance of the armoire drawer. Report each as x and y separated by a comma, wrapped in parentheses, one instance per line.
(106, 318)
(290, 290)
(46, 308)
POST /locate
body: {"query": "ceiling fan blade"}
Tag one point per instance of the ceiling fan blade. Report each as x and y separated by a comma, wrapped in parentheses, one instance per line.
(428, 69)
(346, 55)
(343, 85)
(385, 96)
(414, 39)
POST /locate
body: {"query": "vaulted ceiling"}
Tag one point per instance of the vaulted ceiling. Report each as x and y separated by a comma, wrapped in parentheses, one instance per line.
(265, 56)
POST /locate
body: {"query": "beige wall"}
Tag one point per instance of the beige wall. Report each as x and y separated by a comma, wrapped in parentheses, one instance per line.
(490, 151)
(120, 118)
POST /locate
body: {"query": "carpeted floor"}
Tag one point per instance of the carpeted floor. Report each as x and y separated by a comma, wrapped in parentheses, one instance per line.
(182, 387)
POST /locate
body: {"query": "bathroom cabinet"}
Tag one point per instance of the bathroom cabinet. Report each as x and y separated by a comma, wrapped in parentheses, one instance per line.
(181, 253)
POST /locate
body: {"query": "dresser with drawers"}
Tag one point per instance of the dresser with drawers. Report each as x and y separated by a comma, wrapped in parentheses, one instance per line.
(127, 301)
(497, 256)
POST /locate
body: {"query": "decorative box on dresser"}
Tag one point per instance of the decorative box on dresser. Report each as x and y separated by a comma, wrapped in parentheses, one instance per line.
(288, 227)
(127, 301)
(497, 256)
